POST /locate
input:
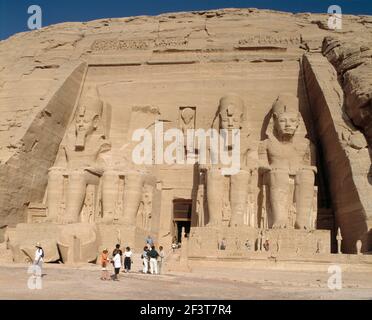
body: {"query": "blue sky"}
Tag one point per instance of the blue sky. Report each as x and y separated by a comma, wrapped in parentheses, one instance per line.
(13, 13)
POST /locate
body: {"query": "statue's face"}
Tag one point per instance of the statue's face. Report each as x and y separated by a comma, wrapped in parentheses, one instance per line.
(287, 123)
(230, 114)
(86, 123)
(187, 116)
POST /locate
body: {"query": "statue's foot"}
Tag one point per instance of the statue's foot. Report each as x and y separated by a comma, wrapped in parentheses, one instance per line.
(108, 220)
(67, 220)
(212, 224)
(280, 225)
(300, 226)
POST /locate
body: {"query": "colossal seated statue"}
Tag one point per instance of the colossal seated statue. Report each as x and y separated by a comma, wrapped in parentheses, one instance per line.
(287, 156)
(231, 190)
(78, 161)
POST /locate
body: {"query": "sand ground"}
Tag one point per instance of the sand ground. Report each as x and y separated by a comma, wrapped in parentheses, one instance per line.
(205, 282)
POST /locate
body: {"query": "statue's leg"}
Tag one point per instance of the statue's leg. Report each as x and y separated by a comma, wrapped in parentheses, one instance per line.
(132, 198)
(238, 197)
(214, 196)
(76, 190)
(304, 194)
(55, 193)
(279, 188)
(110, 190)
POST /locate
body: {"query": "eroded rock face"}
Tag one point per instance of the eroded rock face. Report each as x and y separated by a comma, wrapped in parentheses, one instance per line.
(174, 69)
(353, 62)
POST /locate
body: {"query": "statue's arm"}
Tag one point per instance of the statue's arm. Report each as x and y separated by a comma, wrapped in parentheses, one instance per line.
(100, 163)
(263, 161)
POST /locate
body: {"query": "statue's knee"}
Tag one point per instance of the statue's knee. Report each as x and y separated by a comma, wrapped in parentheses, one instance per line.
(76, 176)
(55, 173)
(305, 176)
(279, 176)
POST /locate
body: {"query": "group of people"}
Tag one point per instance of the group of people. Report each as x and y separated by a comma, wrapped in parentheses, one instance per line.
(118, 259)
(151, 258)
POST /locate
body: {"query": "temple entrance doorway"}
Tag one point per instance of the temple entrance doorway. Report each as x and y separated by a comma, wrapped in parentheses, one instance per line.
(181, 217)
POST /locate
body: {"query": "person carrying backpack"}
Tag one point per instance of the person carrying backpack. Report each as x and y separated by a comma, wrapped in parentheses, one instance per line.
(153, 254)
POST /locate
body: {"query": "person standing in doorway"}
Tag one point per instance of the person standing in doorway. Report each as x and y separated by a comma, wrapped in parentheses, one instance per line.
(127, 259)
(160, 259)
(153, 254)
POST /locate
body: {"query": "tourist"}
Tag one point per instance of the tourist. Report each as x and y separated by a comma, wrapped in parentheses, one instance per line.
(104, 261)
(127, 259)
(174, 246)
(248, 245)
(160, 258)
(117, 248)
(39, 258)
(223, 244)
(153, 254)
(117, 263)
(266, 245)
(145, 260)
(149, 242)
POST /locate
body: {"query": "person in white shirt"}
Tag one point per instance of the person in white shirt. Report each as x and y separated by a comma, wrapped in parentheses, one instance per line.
(117, 264)
(145, 260)
(127, 259)
(39, 255)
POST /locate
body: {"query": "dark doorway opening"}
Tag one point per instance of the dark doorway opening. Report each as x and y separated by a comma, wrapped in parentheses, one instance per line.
(180, 225)
(182, 209)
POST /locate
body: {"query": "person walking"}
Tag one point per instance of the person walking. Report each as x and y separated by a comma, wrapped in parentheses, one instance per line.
(160, 259)
(117, 264)
(145, 260)
(104, 261)
(127, 259)
(153, 254)
(39, 258)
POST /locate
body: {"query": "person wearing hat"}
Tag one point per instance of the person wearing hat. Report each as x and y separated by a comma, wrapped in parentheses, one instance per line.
(104, 261)
(39, 256)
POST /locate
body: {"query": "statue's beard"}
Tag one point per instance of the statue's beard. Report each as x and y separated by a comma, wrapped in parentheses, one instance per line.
(287, 135)
(80, 139)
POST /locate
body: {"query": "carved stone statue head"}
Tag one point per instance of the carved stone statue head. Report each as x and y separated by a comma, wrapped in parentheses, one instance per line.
(231, 111)
(88, 117)
(187, 115)
(286, 115)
